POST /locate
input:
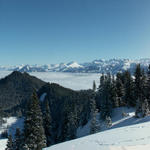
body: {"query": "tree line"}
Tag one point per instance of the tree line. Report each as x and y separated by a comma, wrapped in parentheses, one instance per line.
(123, 89)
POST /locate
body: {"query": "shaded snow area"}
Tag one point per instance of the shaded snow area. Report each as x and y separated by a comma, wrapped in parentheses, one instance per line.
(10, 125)
(42, 97)
(126, 133)
(117, 121)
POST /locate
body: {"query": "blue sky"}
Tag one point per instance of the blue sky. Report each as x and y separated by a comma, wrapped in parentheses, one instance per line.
(53, 31)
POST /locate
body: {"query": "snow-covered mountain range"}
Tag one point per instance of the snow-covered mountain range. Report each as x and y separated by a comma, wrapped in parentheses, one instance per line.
(96, 66)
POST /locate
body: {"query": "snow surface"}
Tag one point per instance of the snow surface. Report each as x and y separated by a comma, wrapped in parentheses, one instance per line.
(117, 121)
(134, 137)
(74, 65)
(126, 133)
(3, 143)
(42, 97)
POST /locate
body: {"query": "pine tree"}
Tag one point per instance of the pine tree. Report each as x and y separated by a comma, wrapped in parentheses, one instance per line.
(129, 87)
(113, 94)
(148, 85)
(108, 122)
(138, 91)
(1, 119)
(47, 120)
(72, 125)
(94, 86)
(64, 129)
(33, 127)
(120, 89)
(9, 143)
(102, 82)
(95, 126)
(105, 97)
(145, 105)
(145, 108)
(18, 140)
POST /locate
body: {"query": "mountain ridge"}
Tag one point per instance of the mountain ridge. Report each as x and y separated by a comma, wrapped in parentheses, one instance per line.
(96, 66)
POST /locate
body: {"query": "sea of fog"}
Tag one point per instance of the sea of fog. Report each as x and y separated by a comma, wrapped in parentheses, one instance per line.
(76, 81)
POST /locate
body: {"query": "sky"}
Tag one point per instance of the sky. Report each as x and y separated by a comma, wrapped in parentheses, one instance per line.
(54, 31)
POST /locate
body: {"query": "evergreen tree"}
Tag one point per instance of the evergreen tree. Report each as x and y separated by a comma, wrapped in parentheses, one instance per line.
(102, 82)
(72, 125)
(18, 140)
(148, 85)
(47, 120)
(113, 94)
(145, 108)
(138, 91)
(105, 98)
(33, 127)
(129, 88)
(1, 119)
(94, 127)
(108, 122)
(9, 143)
(64, 130)
(144, 101)
(94, 86)
(120, 89)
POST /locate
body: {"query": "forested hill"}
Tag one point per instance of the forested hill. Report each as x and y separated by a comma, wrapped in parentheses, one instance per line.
(68, 108)
(17, 88)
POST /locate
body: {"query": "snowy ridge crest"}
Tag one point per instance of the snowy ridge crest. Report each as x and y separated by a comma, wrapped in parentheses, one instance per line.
(97, 66)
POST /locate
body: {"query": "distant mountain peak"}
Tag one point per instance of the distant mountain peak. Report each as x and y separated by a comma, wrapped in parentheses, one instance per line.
(74, 64)
(113, 66)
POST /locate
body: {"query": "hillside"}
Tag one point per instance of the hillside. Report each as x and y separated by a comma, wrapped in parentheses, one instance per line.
(126, 133)
(64, 102)
(16, 88)
(135, 137)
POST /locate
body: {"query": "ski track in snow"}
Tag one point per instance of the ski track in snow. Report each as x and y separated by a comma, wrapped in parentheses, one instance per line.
(115, 139)
(126, 133)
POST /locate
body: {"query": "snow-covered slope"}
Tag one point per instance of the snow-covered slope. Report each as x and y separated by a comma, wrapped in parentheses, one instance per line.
(135, 137)
(3, 143)
(117, 121)
(126, 133)
(10, 125)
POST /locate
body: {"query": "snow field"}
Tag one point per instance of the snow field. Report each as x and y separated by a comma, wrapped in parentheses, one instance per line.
(126, 133)
(124, 138)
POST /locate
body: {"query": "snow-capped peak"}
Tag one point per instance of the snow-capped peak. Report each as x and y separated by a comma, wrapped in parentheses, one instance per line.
(74, 65)
(97, 66)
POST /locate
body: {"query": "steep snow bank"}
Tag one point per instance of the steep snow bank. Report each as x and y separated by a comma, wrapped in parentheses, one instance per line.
(126, 133)
(132, 137)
